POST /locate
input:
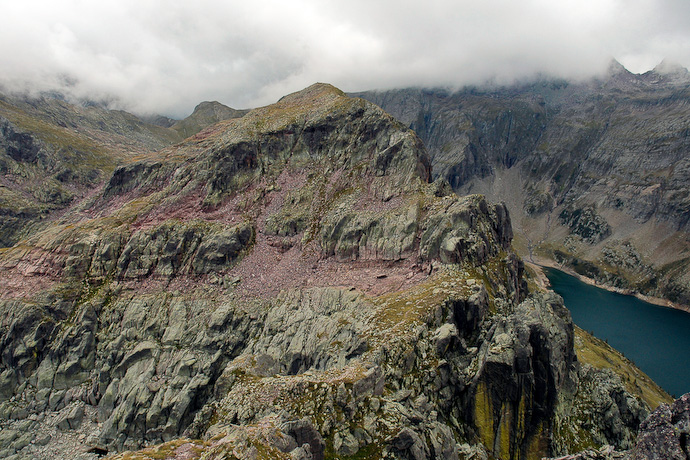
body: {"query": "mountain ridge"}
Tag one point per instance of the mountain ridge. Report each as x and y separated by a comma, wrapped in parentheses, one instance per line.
(594, 173)
(292, 284)
(72, 150)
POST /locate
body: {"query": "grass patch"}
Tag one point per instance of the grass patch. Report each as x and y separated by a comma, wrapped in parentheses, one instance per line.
(165, 451)
(400, 312)
(601, 355)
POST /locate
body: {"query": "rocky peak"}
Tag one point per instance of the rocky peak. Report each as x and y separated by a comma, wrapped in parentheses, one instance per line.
(289, 284)
(211, 106)
(318, 127)
(666, 433)
(615, 68)
(669, 72)
(205, 114)
(667, 67)
(618, 76)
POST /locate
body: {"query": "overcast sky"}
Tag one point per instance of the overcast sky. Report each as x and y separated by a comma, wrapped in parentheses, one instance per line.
(164, 57)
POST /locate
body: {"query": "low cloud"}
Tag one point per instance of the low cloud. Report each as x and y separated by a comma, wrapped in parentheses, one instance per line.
(164, 57)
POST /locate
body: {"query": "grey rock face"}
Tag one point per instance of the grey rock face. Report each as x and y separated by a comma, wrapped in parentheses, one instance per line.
(145, 378)
(18, 146)
(605, 159)
(72, 419)
(390, 236)
(451, 237)
(175, 248)
(605, 414)
(140, 333)
(665, 434)
(126, 178)
(407, 444)
(303, 432)
(528, 360)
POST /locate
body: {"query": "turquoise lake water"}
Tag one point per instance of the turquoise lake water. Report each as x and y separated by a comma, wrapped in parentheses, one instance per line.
(656, 338)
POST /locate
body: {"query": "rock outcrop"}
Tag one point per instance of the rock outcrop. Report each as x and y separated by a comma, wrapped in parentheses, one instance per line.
(289, 284)
(663, 435)
(205, 114)
(585, 168)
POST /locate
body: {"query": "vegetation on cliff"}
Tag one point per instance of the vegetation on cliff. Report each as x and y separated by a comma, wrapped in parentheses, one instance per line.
(595, 173)
(290, 284)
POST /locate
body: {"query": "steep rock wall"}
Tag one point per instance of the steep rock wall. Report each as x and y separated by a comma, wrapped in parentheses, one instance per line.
(595, 170)
(287, 282)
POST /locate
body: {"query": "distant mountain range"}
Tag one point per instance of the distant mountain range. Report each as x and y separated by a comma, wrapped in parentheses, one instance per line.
(53, 154)
(596, 174)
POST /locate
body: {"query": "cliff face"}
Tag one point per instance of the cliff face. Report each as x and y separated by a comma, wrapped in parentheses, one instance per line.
(663, 435)
(40, 179)
(289, 284)
(595, 174)
(54, 155)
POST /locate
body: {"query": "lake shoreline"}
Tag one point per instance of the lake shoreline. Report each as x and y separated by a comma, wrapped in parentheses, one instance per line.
(537, 264)
(651, 336)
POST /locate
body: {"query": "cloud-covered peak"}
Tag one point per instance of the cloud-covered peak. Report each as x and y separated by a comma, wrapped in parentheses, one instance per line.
(165, 57)
(667, 67)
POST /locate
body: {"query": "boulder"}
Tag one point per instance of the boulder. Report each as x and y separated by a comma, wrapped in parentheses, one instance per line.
(70, 417)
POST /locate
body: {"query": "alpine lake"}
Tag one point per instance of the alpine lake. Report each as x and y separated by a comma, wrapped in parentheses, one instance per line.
(655, 338)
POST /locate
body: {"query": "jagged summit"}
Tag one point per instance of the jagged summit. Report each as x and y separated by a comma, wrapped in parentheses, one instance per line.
(618, 76)
(616, 68)
(668, 73)
(667, 67)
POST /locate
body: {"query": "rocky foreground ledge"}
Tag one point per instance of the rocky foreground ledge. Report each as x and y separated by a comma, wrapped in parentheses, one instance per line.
(664, 435)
